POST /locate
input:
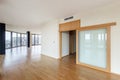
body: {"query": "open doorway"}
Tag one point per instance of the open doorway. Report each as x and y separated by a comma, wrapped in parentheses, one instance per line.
(72, 42)
(68, 39)
(68, 43)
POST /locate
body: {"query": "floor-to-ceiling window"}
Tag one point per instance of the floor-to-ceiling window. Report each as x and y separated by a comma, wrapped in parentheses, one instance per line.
(33, 39)
(24, 39)
(36, 39)
(8, 39)
(18, 39)
(14, 39)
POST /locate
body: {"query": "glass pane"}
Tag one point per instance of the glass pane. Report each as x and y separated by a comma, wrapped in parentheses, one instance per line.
(24, 39)
(8, 39)
(18, 39)
(92, 47)
(33, 39)
(14, 39)
(36, 40)
(39, 39)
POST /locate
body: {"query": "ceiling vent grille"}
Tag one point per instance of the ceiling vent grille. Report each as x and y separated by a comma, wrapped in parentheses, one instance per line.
(71, 17)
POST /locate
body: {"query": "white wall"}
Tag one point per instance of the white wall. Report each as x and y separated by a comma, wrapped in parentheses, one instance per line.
(50, 39)
(65, 44)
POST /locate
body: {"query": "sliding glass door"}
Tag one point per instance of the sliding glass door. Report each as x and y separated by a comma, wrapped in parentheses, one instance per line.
(93, 49)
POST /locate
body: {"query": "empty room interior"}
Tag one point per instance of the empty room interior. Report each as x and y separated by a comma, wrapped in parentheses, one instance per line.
(59, 40)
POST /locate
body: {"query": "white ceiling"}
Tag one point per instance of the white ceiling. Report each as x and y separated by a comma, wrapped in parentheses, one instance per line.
(35, 12)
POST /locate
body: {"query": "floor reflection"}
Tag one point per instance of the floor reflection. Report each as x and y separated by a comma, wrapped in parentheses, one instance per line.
(21, 54)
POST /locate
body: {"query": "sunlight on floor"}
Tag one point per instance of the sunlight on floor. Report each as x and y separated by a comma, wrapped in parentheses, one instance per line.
(19, 54)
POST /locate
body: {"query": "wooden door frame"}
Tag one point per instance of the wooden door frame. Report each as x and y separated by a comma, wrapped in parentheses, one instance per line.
(69, 26)
(60, 44)
(108, 44)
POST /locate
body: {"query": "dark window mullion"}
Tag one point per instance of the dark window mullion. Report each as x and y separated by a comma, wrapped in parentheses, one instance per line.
(10, 39)
(34, 39)
(38, 39)
(20, 40)
(16, 41)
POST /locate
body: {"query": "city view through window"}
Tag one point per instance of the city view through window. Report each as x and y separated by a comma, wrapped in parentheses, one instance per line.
(36, 39)
(15, 39)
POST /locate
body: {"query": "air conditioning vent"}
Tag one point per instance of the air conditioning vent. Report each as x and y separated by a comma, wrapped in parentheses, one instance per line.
(68, 18)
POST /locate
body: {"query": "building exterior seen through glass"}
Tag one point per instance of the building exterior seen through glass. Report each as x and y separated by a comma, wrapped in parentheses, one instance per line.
(16, 39)
(36, 39)
(8, 39)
